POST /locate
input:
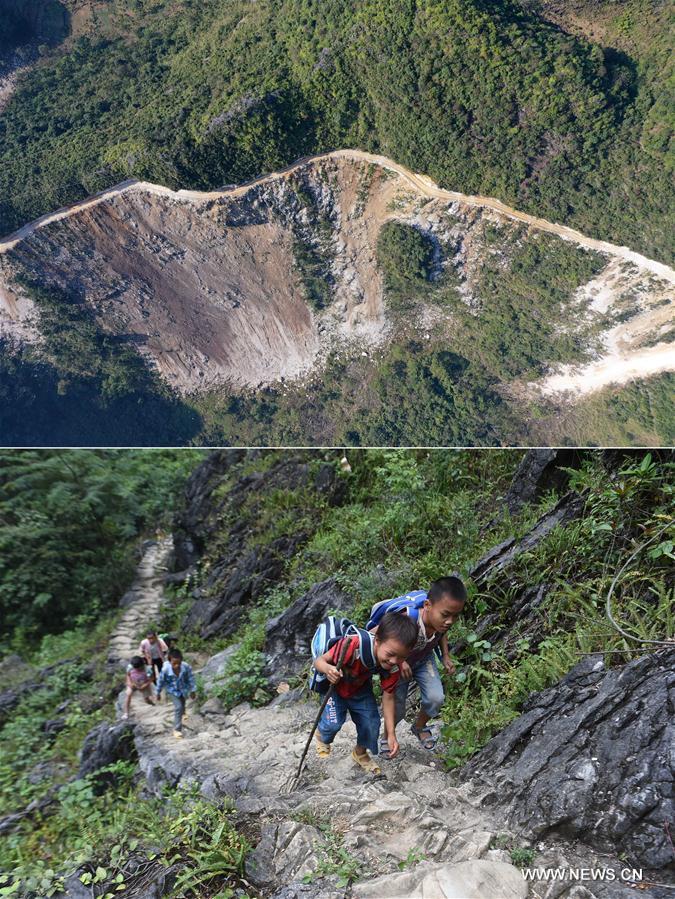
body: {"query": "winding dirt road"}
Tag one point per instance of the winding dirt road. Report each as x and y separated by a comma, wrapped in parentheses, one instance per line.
(616, 368)
(422, 183)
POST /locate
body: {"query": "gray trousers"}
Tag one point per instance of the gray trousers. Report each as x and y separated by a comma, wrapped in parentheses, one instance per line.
(178, 711)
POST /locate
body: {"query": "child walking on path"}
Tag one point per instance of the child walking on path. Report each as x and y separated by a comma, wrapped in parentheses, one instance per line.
(177, 677)
(434, 612)
(154, 651)
(137, 679)
(395, 638)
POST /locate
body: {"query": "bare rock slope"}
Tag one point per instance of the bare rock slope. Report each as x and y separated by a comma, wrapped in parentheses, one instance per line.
(247, 286)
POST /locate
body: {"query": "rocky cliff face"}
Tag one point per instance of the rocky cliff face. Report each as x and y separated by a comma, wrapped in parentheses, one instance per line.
(590, 759)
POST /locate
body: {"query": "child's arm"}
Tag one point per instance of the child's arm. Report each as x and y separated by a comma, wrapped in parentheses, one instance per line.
(389, 715)
(192, 684)
(324, 665)
(448, 664)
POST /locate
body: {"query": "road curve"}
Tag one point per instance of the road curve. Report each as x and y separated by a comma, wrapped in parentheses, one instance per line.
(421, 183)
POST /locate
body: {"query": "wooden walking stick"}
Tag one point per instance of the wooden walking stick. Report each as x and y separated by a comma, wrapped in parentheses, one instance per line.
(293, 783)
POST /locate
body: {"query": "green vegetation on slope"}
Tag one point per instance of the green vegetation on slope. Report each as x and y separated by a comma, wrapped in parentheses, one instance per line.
(405, 257)
(103, 827)
(68, 525)
(486, 99)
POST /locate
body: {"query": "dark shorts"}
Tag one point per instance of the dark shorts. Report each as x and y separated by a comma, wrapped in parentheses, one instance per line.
(157, 663)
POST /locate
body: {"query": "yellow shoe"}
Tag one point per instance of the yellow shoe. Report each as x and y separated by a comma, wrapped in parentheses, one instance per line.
(322, 749)
(178, 735)
(367, 763)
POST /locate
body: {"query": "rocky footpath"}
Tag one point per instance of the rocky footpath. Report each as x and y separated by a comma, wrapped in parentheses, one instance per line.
(580, 776)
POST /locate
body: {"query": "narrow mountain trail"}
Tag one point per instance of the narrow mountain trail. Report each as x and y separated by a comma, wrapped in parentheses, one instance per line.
(416, 832)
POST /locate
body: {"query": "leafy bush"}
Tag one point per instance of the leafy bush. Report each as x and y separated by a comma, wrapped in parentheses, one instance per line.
(405, 256)
(68, 521)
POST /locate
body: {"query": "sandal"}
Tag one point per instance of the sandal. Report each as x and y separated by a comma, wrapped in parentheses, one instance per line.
(428, 743)
(367, 763)
(322, 749)
(384, 747)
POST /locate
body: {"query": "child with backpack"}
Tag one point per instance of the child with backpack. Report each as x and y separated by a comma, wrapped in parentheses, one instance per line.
(353, 657)
(176, 675)
(433, 612)
(138, 679)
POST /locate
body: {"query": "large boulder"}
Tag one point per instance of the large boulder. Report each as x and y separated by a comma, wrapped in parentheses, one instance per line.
(216, 666)
(106, 744)
(590, 759)
(475, 879)
(288, 636)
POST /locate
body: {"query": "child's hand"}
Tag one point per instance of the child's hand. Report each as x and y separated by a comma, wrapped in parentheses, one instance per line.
(406, 671)
(449, 665)
(333, 674)
(393, 746)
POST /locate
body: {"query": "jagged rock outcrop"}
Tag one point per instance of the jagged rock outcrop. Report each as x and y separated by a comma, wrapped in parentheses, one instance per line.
(288, 636)
(496, 560)
(243, 566)
(194, 522)
(238, 582)
(590, 758)
(539, 470)
(106, 744)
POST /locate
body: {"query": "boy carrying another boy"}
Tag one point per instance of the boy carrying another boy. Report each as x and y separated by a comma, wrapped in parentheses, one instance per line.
(363, 655)
(434, 612)
(177, 677)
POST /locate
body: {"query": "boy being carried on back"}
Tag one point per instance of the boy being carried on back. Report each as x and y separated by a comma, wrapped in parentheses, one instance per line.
(365, 654)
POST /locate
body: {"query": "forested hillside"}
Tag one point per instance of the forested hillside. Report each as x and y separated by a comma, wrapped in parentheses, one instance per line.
(485, 98)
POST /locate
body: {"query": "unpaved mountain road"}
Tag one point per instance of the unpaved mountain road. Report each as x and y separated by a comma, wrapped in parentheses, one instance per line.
(422, 183)
(615, 367)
